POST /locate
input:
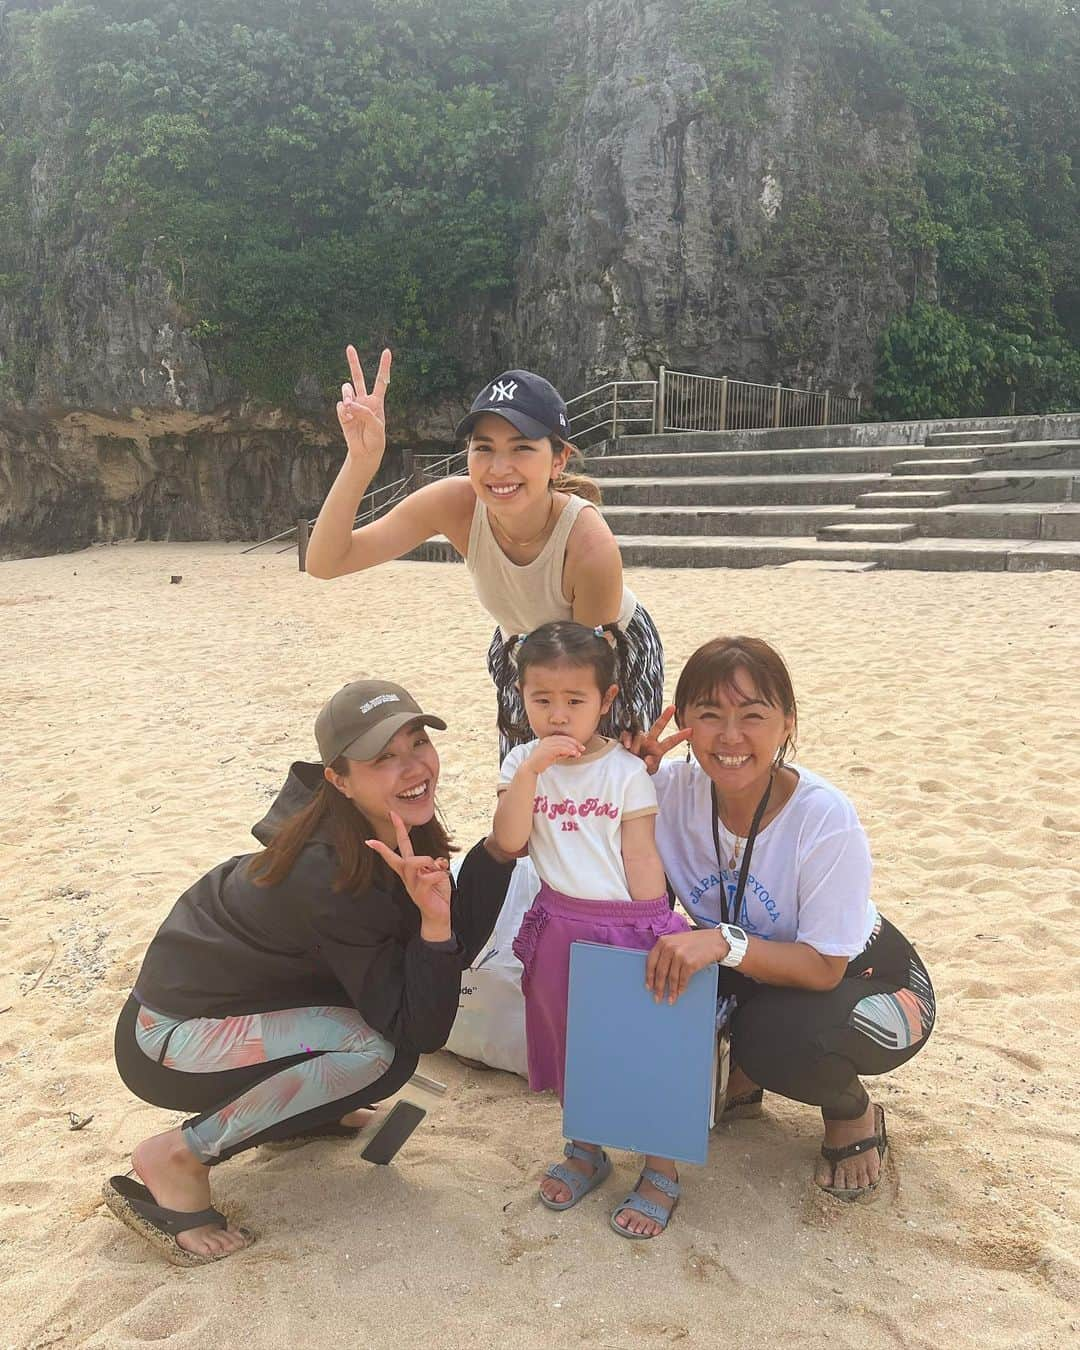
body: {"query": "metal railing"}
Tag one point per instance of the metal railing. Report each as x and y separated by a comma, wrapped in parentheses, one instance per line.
(376, 502)
(619, 408)
(688, 402)
(678, 402)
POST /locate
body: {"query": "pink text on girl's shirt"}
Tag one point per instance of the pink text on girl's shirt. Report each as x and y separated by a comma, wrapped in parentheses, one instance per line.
(591, 806)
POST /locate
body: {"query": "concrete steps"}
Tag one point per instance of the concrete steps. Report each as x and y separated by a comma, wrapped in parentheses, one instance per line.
(1062, 454)
(1021, 520)
(958, 498)
(870, 531)
(1034, 485)
(752, 463)
(933, 555)
(724, 521)
(777, 489)
(906, 467)
(910, 498)
(988, 437)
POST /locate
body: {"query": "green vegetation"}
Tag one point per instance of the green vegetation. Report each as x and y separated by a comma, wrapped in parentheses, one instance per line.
(310, 171)
(994, 86)
(306, 171)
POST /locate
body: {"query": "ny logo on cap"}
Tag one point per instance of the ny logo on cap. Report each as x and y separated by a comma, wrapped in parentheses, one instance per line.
(503, 393)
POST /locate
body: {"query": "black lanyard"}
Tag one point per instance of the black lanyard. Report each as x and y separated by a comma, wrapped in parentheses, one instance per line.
(744, 870)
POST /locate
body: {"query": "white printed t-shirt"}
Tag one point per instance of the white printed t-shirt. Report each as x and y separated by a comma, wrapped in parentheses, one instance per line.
(578, 811)
(809, 877)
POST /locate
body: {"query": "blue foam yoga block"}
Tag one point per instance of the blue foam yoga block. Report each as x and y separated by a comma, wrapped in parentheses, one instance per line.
(639, 1074)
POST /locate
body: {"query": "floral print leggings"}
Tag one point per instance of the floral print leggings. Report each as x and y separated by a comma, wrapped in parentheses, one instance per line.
(287, 1070)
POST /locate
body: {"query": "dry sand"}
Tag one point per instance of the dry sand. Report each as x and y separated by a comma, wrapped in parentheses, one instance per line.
(146, 725)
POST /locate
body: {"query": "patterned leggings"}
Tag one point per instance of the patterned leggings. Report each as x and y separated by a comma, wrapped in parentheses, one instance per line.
(811, 1046)
(643, 682)
(257, 1077)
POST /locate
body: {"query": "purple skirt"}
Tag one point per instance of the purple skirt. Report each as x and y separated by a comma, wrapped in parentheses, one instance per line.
(543, 948)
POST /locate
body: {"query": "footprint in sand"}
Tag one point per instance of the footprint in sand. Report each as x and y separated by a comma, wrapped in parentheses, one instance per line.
(707, 1268)
(668, 1331)
(518, 1245)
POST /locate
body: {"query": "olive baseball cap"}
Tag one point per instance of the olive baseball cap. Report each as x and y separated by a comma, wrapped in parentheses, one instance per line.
(359, 720)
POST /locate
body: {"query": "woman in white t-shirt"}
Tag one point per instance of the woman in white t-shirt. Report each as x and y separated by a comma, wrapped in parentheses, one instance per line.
(772, 864)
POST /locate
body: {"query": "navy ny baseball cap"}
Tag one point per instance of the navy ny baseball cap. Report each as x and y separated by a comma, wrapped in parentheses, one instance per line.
(527, 401)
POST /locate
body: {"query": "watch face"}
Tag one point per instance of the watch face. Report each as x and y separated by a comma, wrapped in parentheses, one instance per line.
(738, 932)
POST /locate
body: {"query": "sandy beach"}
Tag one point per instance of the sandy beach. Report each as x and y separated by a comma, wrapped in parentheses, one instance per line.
(147, 725)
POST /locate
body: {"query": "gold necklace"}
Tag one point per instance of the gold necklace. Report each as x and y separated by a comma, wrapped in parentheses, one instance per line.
(524, 543)
(736, 851)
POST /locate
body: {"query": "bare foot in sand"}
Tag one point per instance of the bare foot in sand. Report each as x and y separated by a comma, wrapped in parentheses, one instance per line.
(856, 1173)
(738, 1085)
(177, 1180)
(356, 1120)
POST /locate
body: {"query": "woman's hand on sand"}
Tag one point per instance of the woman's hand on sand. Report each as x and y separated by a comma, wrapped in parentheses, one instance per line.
(651, 745)
(362, 415)
(553, 748)
(427, 881)
(678, 956)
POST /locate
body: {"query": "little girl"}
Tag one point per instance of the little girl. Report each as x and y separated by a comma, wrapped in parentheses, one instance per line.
(585, 807)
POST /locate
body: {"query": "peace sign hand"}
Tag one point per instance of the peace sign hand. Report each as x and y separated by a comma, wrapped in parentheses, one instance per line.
(650, 746)
(361, 415)
(427, 881)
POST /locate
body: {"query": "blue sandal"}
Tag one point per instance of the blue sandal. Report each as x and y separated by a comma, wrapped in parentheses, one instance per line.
(651, 1209)
(578, 1184)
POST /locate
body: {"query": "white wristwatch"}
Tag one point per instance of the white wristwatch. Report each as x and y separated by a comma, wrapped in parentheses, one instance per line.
(737, 942)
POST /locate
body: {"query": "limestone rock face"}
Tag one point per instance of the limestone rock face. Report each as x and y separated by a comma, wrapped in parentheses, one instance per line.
(75, 479)
(671, 238)
(765, 251)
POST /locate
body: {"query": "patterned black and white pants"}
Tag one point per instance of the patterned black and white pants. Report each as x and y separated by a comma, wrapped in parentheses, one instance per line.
(641, 684)
(812, 1045)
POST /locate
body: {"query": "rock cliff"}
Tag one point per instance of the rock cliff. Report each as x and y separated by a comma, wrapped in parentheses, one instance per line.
(665, 235)
(671, 236)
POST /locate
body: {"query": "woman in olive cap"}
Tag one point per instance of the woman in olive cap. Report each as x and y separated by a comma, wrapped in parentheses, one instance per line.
(292, 988)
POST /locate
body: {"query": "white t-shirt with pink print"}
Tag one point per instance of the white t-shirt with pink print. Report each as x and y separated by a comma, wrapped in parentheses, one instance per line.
(578, 811)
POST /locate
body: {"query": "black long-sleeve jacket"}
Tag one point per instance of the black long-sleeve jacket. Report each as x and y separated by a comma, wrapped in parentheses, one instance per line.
(230, 947)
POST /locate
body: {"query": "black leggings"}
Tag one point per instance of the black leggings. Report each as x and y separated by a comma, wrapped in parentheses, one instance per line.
(811, 1045)
(220, 1096)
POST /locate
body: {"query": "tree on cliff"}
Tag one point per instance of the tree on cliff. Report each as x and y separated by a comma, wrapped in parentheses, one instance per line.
(305, 171)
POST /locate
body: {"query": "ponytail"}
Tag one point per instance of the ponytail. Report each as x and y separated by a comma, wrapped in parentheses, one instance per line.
(576, 484)
(623, 665)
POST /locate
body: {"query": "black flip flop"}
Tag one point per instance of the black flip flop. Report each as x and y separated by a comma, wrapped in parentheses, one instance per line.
(880, 1141)
(136, 1207)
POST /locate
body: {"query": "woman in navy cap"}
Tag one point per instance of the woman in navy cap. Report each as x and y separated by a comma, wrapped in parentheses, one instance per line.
(531, 536)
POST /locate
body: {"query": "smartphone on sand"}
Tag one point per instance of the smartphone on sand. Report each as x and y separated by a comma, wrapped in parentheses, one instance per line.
(393, 1132)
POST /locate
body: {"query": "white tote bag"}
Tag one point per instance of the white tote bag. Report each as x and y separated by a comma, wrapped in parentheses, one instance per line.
(490, 1025)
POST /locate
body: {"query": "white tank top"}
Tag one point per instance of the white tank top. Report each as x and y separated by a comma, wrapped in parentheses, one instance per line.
(521, 598)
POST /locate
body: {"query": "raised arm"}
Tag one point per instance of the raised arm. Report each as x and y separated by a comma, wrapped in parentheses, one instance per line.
(514, 814)
(335, 548)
